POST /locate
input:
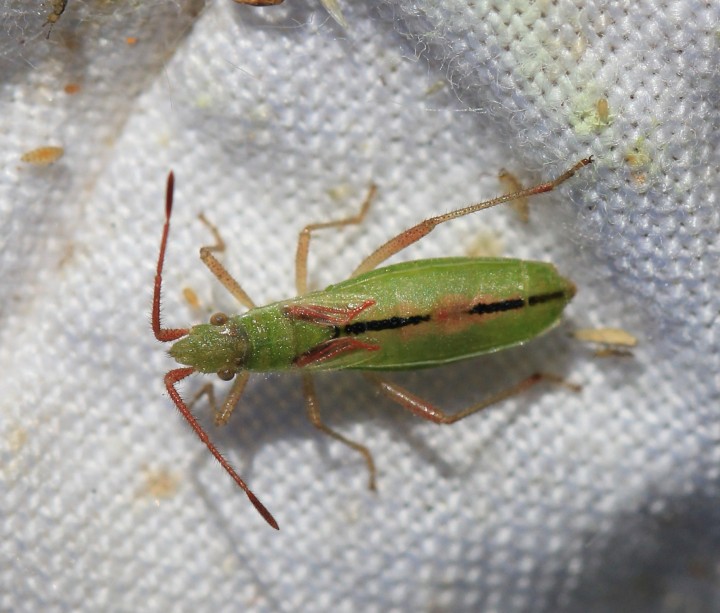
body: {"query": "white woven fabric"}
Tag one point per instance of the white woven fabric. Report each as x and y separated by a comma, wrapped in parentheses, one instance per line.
(274, 118)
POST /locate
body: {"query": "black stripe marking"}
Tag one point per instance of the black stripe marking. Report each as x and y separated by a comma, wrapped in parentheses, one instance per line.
(392, 323)
(540, 298)
(481, 308)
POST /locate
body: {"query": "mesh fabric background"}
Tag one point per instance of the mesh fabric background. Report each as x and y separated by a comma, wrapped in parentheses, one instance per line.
(278, 117)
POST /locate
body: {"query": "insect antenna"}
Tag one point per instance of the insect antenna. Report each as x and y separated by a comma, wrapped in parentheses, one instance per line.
(171, 378)
(164, 334)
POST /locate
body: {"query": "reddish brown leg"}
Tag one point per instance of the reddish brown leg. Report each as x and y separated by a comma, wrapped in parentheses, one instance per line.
(426, 410)
(313, 411)
(215, 267)
(303, 246)
(222, 414)
(414, 234)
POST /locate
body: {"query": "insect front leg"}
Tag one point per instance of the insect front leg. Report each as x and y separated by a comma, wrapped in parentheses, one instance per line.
(222, 414)
(422, 408)
(216, 268)
(301, 256)
(313, 411)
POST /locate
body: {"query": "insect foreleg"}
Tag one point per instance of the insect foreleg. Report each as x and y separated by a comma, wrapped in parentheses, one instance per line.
(422, 408)
(303, 247)
(414, 234)
(216, 268)
(222, 414)
(313, 411)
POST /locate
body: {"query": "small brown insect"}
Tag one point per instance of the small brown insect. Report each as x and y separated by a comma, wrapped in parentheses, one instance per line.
(602, 109)
(191, 297)
(42, 156)
(614, 342)
(58, 8)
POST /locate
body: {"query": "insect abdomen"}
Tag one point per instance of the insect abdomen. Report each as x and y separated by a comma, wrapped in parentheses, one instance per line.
(411, 315)
(432, 312)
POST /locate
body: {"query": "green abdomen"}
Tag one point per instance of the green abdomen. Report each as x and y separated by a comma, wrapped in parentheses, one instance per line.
(425, 313)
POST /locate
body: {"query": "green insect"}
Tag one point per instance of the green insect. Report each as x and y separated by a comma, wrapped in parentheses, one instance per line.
(403, 316)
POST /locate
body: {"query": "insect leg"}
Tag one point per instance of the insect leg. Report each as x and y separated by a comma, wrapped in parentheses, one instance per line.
(303, 246)
(426, 410)
(414, 234)
(222, 414)
(216, 268)
(171, 379)
(206, 390)
(313, 411)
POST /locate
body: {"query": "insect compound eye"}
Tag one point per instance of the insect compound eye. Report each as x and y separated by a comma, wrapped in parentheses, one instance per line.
(218, 319)
(226, 374)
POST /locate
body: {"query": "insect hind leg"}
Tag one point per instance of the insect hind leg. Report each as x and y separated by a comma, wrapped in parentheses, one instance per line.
(313, 412)
(418, 231)
(422, 408)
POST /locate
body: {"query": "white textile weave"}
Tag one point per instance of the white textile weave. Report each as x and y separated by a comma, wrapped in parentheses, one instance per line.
(277, 117)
